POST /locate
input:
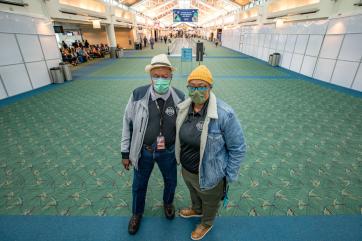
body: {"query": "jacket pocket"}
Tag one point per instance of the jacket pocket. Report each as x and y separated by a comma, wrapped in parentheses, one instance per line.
(215, 144)
(214, 136)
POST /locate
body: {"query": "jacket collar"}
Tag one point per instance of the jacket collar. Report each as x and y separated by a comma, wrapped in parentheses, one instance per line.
(211, 108)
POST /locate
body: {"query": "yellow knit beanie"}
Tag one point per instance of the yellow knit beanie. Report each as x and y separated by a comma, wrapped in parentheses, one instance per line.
(201, 73)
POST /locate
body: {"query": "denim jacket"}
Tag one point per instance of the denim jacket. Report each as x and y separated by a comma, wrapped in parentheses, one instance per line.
(222, 145)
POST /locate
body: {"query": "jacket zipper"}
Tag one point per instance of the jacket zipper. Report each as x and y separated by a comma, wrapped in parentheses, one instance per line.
(141, 124)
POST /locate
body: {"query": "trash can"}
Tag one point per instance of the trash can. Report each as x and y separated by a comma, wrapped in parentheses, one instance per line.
(119, 53)
(270, 59)
(137, 46)
(57, 75)
(275, 59)
(66, 71)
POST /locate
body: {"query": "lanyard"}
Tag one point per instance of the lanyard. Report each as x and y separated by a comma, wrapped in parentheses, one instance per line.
(161, 114)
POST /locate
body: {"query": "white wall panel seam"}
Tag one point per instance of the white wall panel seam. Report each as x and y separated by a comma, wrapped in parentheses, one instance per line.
(351, 61)
(32, 34)
(3, 65)
(18, 33)
(277, 42)
(45, 60)
(21, 53)
(3, 85)
(305, 52)
(339, 51)
(355, 75)
(29, 62)
(295, 44)
(339, 54)
(285, 43)
(319, 52)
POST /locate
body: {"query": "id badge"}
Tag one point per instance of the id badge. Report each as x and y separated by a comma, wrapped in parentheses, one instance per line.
(161, 143)
(226, 196)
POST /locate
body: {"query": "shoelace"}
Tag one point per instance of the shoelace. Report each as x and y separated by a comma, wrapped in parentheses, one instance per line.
(134, 221)
(202, 227)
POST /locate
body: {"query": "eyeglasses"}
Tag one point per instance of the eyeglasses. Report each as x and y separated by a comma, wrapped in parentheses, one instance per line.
(199, 88)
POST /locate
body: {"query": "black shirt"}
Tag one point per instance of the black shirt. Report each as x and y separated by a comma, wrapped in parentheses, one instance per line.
(169, 121)
(190, 137)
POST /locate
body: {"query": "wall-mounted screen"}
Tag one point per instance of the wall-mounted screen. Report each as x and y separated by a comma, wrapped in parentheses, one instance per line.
(58, 29)
(185, 15)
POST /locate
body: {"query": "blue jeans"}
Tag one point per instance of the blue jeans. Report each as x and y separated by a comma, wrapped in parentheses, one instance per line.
(167, 163)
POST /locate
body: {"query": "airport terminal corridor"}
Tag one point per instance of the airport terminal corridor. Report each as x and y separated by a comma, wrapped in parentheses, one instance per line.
(61, 154)
(74, 116)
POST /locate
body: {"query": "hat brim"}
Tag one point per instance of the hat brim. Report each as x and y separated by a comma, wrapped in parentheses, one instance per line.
(150, 67)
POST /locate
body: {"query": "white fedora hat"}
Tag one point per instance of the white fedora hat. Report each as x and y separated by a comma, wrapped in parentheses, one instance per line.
(158, 61)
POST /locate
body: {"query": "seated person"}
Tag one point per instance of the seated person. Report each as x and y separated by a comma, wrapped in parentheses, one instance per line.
(82, 56)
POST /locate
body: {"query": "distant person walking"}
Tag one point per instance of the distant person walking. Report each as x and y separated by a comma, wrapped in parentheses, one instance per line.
(152, 42)
(145, 41)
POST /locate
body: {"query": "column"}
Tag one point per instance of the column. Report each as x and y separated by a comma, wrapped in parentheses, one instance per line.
(134, 30)
(111, 39)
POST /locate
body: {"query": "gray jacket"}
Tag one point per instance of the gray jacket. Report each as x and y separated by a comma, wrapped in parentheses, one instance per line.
(135, 121)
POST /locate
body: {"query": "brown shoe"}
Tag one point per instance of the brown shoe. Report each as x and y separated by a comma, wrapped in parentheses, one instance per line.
(200, 231)
(134, 224)
(189, 213)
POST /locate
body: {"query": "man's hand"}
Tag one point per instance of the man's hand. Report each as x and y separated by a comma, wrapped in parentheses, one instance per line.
(126, 164)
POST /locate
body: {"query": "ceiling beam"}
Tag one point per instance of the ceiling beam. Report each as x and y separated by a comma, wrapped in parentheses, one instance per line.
(161, 6)
(162, 14)
(210, 7)
(139, 3)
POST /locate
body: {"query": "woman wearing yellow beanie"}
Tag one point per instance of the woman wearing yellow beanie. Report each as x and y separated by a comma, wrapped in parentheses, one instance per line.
(210, 147)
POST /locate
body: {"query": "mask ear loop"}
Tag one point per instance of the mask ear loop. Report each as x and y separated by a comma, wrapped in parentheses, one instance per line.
(171, 78)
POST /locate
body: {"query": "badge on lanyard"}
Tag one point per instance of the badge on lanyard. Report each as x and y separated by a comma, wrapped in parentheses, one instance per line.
(161, 143)
(225, 194)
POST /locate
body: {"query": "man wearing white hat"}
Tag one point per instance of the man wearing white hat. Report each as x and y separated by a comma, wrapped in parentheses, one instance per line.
(148, 136)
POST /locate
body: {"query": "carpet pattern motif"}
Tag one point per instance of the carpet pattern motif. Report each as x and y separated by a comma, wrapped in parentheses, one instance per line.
(60, 150)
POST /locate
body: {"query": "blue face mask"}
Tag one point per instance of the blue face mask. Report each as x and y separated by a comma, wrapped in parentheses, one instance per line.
(161, 85)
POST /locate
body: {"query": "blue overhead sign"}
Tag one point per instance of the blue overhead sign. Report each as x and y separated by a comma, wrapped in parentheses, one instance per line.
(186, 54)
(185, 15)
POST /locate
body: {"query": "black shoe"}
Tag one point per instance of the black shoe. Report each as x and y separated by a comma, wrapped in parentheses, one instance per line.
(169, 211)
(134, 223)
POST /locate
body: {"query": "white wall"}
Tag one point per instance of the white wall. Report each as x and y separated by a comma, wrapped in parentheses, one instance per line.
(33, 7)
(28, 49)
(231, 38)
(327, 50)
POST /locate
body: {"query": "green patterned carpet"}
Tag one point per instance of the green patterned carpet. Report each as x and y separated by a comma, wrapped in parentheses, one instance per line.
(60, 149)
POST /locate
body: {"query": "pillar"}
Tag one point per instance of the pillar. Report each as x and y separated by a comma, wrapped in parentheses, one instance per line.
(111, 39)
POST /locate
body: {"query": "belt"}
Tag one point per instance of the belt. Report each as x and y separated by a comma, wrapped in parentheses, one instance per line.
(148, 148)
(152, 149)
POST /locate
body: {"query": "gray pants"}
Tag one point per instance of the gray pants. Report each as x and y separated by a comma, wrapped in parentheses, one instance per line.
(206, 202)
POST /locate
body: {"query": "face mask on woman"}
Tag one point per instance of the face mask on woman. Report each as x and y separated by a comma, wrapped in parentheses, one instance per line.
(198, 96)
(161, 85)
